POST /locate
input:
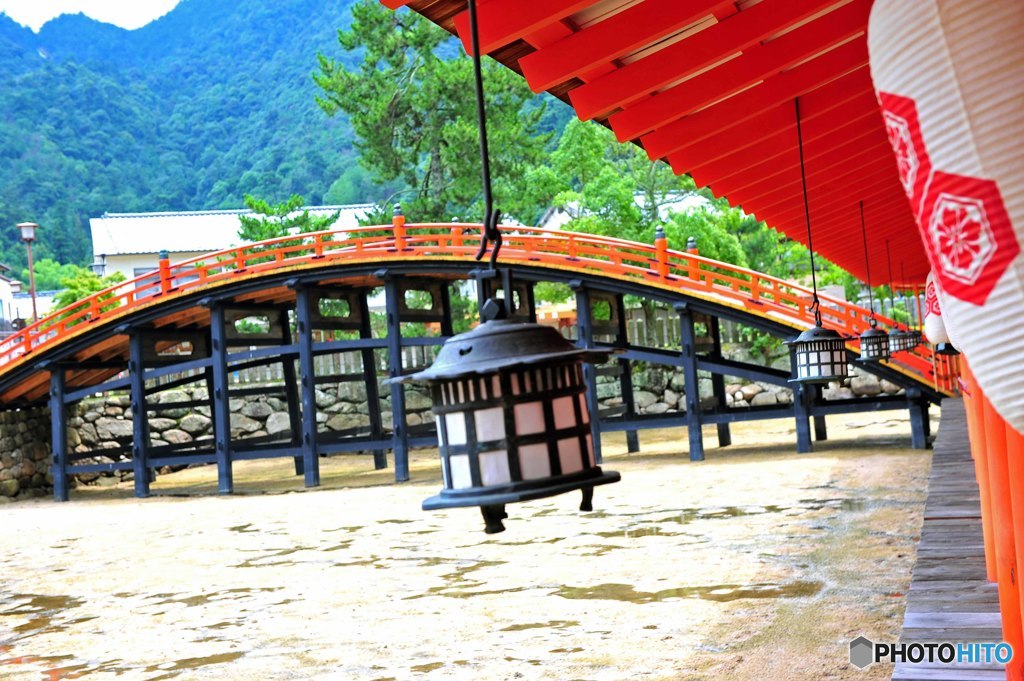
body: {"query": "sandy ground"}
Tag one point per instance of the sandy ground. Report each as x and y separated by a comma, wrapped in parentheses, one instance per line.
(755, 564)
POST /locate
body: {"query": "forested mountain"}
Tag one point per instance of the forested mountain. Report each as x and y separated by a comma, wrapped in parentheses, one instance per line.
(212, 101)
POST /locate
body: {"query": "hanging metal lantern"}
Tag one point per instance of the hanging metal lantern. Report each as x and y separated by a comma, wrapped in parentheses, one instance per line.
(512, 419)
(820, 356)
(898, 341)
(946, 349)
(913, 338)
(874, 344)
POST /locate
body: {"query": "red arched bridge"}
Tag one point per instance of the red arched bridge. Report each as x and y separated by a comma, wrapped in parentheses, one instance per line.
(312, 296)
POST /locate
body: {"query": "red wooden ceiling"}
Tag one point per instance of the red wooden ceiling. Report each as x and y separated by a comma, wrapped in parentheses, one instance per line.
(710, 87)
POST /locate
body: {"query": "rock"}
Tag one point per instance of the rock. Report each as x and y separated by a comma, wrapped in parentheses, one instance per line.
(277, 404)
(413, 419)
(837, 393)
(324, 400)
(784, 396)
(170, 397)
(417, 401)
(235, 404)
(74, 438)
(607, 390)
(656, 408)
(200, 395)
(278, 422)
(243, 424)
(9, 488)
(705, 387)
(113, 411)
(644, 399)
(195, 424)
(176, 436)
(740, 403)
(763, 398)
(677, 382)
(259, 433)
(347, 421)
(750, 390)
(159, 425)
(259, 410)
(733, 388)
(87, 432)
(321, 417)
(28, 469)
(888, 387)
(91, 416)
(671, 397)
(728, 398)
(865, 387)
(112, 429)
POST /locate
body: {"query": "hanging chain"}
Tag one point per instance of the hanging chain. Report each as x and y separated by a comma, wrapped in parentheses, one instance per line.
(815, 304)
(491, 233)
(867, 264)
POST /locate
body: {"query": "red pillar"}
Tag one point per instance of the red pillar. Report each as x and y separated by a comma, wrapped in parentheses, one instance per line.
(1002, 524)
(976, 429)
(1015, 456)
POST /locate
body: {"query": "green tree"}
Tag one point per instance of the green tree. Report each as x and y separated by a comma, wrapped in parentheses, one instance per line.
(606, 188)
(81, 282)
(411, 105)
(713, 230)
(281, 219)
(50, 274)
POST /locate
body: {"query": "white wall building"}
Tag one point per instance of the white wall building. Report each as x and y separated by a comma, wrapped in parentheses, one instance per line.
(130, 243)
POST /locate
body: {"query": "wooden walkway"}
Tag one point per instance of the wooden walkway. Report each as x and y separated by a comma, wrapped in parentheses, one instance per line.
(950, 599)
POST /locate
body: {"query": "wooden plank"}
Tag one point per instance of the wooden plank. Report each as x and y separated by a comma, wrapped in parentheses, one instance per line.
(950, 598)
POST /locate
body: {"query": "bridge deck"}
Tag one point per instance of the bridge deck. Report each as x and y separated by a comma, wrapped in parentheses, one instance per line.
(950, 598)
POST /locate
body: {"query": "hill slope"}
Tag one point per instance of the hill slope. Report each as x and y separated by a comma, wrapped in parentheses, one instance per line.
(209, 102)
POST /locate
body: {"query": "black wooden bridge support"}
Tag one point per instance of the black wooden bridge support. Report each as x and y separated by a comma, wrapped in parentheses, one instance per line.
(337, 319)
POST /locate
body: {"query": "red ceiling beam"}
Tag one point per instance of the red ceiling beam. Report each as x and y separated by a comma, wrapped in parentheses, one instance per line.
(614, 37)
(394, 4)
(828, 203)
(762, 158)
(813, 103)
(884, 207)
(501, 22)
(846, 65)
(680, 60)
(789, 179)
(754, 65)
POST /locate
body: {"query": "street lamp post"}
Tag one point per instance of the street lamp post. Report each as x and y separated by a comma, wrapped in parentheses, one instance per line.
(99, 265)
(28, 235)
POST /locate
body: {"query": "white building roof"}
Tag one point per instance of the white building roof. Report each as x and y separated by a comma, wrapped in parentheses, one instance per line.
(188, 232)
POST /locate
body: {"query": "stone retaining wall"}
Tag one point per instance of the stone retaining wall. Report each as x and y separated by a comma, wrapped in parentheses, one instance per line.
(24, 452)
(99, 424)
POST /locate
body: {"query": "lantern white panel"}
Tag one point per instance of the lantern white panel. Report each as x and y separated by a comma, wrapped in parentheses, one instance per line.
(494, 468)
(565, 415)
(529, 418)
(490, 424)
(456, 422)
(570, 456)
(440, 432)
(461, 479)
(533, 461)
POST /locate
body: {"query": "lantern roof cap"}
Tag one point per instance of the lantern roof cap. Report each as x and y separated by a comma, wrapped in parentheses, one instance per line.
(874, 333)
(500, 344)
(816, 333)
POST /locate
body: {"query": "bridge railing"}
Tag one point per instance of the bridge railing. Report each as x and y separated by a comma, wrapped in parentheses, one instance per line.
(643, 263)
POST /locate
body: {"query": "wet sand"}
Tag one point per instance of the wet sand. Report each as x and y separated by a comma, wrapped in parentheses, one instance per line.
(755, 564)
